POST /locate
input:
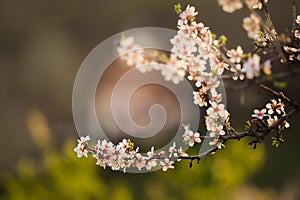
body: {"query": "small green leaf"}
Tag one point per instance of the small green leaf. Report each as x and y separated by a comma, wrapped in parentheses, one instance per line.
(275, 142)
(131, 145)
(164, 57)
(280, 85)
(247, 125)
(223, 38)
(214, 72)
(247, 55)
(214, 36)
(177, 8)
(261, 33)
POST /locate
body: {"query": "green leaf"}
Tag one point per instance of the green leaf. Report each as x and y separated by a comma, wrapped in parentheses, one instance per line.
(192, 19)
(280, 84)
(214, 72)
(177, 8)
(222, 40)
(247, 125)
(131, 144)
(275, 142)
(261, 34)
(164, 57)
(214, 36)
(247, 55)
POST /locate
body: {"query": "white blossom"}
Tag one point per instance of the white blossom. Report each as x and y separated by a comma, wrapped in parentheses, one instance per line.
(173, 150)
(189, 12)
(252, 67)
(235, 56)
(215, 97)
(217, 110)
(167, 164)
(272, 120)
(290, 49)
(173, 70)
(297, 34)
(230, 5)
(127, 45)
(181, 152)
(151, 153)
(251, 25)
(298, 19)
(217, 143)
(190, 137)
(81, 148)
(150, 164)
(140, 161)
(197, 64)
(199, 99)
(266, 67)
(238, 72)
(255, 4)
(218, 130)
(259, 113)
(275, 106)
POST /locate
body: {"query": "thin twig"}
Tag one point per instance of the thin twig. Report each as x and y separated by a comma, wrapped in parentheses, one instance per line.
(200, 156)
(267, 15)
(263, 79)
(294, 17)
(284, 117)
(279, 94)
(268, 30)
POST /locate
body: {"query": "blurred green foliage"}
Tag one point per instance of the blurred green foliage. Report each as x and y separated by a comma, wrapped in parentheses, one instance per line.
(59, 174)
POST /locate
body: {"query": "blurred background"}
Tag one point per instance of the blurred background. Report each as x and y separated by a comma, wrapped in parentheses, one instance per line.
(42, 46)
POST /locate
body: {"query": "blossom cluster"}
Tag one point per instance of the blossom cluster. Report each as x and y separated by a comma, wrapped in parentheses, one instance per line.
(145, 62)
(196, 46)
(82, 145)
(252, 25)
(233, 5)
(293, 51)
(189, 137)
(123, 155)
(271, 113)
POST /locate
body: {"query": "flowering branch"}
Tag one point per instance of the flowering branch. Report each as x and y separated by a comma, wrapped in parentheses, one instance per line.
(202, 57)
(260, 134)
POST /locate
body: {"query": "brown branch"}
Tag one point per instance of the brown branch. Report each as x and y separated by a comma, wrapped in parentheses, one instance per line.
(199, 157)
(259, 134)
(280, 95)
(294, 15)
(236, 135)
(285, 117)
(263, 79)
(264, 130)
(274, 76)
(267, 14)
